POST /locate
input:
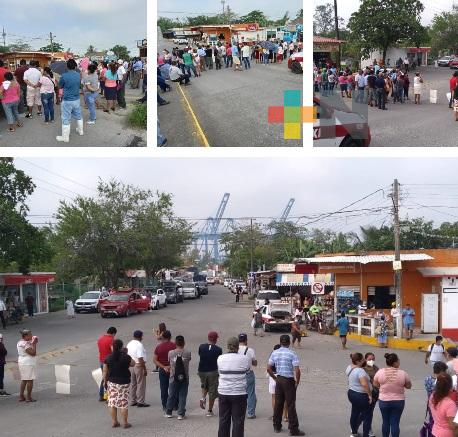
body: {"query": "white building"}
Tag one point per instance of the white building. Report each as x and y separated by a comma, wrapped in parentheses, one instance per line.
(418, 54)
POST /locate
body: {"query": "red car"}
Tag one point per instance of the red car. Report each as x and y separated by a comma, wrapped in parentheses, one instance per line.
(124, 303)
(454, 63)
(295, 62)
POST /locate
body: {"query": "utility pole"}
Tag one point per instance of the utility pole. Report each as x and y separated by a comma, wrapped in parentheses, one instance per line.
(251, 256)
(397, 256)
(223, 2)
(336, 19)
(4, 37)
(51, 37)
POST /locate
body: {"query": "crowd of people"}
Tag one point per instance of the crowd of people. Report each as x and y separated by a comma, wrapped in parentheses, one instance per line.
(377, 85)
(31, 86)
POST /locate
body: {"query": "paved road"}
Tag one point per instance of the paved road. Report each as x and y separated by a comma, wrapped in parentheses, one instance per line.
(410, 125)
(109, 131)
(322, 403)
(231, 108)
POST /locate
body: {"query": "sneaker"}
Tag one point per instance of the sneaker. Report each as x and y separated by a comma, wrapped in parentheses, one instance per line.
(203, 402)
(297, 432)
(180, 417)
(142, 405)
(371, 434)
(167, 416)
(39, 114)
(251, 417)
(353, 435)
(91, 122)
(29, 116)
(210, 414)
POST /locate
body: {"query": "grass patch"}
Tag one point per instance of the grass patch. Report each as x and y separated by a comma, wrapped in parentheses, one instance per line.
(139, 116)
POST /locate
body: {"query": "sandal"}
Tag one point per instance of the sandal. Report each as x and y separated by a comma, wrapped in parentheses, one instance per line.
(21, 399)
(30, 400)
(116, 425)
(127, 425)
(11, 129)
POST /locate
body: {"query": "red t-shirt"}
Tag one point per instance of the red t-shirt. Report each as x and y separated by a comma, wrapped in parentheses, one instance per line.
(3, 70)
(105, 343)
(453, 83)
(162, 351)
(19, 73)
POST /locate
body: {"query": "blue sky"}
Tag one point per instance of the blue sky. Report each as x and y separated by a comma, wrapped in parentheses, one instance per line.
(76, 24)
(272, 8)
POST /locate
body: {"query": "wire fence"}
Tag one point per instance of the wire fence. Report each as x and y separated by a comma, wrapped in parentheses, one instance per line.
(59, 292)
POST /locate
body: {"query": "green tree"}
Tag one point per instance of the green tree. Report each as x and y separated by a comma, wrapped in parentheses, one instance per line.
(444, 32)
(300, 13)
(323, 20)
(90, 51)
(255, 16)
(20, 46)
(378, 24)
(282, 21)
(166, 23)
(54, 47)
(121, 52)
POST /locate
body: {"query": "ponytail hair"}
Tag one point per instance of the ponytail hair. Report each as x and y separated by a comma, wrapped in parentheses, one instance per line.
(442, 388)
(356, 357)
(391, 359)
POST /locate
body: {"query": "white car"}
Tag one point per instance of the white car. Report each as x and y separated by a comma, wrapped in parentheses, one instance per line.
(89, 301)
(226, 283)
(180, 41)
(296, 63)
(158, 299)
(445, 61)
(273, 296)
(277, 315)
(189, 290)
(339, 127)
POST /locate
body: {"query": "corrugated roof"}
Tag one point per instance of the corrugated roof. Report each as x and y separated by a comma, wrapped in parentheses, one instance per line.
(323, 40)
(366, 259)
(438, 271)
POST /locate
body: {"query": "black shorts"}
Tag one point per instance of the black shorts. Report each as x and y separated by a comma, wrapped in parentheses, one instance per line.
(296, 336)
(343, 336)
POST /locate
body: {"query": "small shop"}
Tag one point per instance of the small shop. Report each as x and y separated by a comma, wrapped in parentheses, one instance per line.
(17, 285)
(245, 32)
(418, 56)
(12, 59)
(323, 49)
(429, 284)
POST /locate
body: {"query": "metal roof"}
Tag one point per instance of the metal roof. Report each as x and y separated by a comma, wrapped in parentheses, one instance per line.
(438, 271)
(324, 40)
(366, 259)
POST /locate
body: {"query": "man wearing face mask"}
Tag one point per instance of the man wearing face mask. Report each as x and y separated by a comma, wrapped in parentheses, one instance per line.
(371, 369)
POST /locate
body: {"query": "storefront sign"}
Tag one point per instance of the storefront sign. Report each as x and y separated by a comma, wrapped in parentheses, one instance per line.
(397, 265)
(345, 268)
(327, 47)
(306, 268)
(252, 27)
(287, 268)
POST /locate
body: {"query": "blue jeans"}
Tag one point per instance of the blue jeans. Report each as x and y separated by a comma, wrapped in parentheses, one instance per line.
(266, 58)
(360, 412)
(162, 83)
(11, 112)
(178, 392)
(246, 61)
(47, 99)
(190, 68)
(251, 391)
(102, 388)
(391, 416)
(70, 109)
(164, 378)
(90, 98)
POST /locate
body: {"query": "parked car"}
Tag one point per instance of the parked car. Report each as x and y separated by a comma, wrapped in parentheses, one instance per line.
(296, 62)
(454, 63)
(180, 41)
(124, 303)
(445, 61)
(190, 290)
(172, 291)
(211, 281)
(277, 316)
(242, 285)
(273, 296)
(202, 287)
(158, 299)
(339, 127)
(89, 301)
(226, 283)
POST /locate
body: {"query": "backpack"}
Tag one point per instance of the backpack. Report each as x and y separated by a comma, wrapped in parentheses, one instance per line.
(430, 349)
(427, 429)
(180, 373)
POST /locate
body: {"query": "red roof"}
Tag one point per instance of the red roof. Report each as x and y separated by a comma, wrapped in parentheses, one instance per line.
(32, 278)
(323, 40)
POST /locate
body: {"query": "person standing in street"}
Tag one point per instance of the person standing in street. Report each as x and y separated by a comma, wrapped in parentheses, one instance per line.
(359, 395)
(27, 362)
(452, 361)
(32, 78)
(395, 314)
(250, 376)
(392, 382)
(371, 369)
(296, 333)
(19, 74)
(246, 56)
(257, 322)
(105, 347)
(47, 92)
(137, 68)
(443, 408)
(236, 58)
(116, 380)
(380, 87)
(3, 354)
(343, 326)
(121, 85)
(161, 359)
(208, 371)
(283, 368)
(137, 352)
(91, 92)
(436, 352)
(408, 321)
(179, 359)
(30, 303)
(417, 87)
(2, 313)
(453, 84)
(232, 390)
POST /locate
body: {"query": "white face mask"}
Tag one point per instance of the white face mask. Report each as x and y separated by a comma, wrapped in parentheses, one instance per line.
(370, 363)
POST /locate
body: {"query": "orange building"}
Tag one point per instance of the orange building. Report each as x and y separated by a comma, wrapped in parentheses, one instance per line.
(12, 59)
(428, 276)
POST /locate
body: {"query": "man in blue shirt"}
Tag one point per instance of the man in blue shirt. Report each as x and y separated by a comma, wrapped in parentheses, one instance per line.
(202, 55)
(71, 104)
(381, 92)
(284, 368)
(342, 325)
(137, 68)
(408, 319)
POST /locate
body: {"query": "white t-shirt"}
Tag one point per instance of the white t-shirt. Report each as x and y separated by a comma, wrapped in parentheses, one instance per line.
(2, 305)
(23, 357)
(437, 352)
(232, 369)
(245, 51)
(136, 350)
(280, 50)
(249, 353)
(121, 72)
(33, 75)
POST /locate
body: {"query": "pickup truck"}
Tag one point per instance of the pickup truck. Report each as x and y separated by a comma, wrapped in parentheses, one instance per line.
(276, 316)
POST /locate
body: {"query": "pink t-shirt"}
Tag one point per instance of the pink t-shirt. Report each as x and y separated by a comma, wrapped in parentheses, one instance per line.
(392, 382)
(342, 80)
(11, 94)
(47, 85)
(444, 409)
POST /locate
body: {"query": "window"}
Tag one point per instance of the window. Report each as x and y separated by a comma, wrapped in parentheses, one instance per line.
(380, 296)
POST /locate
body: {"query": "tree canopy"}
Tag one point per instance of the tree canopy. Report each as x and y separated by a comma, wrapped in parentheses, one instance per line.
(121, 52)
(444, 32)
(54, 47)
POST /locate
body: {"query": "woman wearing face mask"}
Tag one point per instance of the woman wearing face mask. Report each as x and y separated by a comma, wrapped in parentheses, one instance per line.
(392, 382)
(371, 369)
(382, 335)
(359, 395)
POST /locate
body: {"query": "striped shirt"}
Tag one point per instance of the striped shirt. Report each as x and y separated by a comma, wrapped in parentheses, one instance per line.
(232, 369)
(284, 360)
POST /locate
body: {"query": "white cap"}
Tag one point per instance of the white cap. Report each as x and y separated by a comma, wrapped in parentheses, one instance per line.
(120, 61)
(1, 336)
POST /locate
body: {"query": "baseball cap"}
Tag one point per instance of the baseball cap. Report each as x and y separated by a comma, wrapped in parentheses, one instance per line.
(138, 334)
(243, 337)
(213, 336)
(233, 343)
(120, 61)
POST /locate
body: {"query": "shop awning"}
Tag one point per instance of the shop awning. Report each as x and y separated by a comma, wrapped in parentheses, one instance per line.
(294, 279)
(33, 278)
(438, 271)
(366, 259)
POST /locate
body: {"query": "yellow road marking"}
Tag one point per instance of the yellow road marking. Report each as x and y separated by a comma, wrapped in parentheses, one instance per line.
(194, 117)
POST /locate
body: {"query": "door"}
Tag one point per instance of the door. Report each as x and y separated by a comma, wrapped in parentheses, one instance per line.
(32, 290)
(450, 313)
